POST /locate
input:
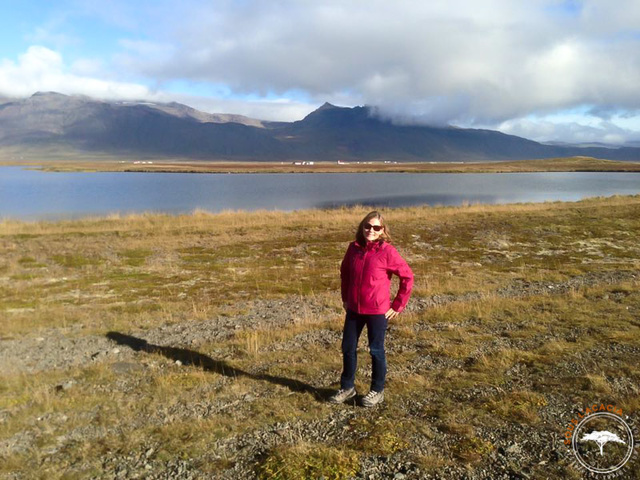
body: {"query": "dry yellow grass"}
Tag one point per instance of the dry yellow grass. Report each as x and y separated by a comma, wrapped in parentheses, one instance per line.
(500, 343)
(70, 160)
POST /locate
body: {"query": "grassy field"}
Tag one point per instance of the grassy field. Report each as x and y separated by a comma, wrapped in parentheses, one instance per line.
(65, 160)
(205, 346)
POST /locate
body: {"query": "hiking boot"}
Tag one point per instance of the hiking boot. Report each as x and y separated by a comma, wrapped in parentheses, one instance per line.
(372, 398)
(343, 395)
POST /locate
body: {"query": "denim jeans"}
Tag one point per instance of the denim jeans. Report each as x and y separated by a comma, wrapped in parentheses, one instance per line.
(376, 329)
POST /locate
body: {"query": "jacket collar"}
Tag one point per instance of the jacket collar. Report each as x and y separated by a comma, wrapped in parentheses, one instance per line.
(370, 246)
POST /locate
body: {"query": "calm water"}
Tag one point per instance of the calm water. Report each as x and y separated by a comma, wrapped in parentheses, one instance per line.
(32, 195)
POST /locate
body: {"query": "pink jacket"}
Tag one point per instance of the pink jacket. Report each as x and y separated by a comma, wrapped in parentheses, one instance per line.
(366, 278)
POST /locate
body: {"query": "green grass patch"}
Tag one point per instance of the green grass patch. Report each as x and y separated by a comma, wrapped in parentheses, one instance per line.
(135, 257)
(308, 461)
(517, 407)
(76, 260)
(378, 436)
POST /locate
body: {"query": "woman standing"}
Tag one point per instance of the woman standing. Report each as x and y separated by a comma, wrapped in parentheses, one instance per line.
(366, 273)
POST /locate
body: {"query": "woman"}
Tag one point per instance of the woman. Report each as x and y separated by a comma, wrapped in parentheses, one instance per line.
(366, 272)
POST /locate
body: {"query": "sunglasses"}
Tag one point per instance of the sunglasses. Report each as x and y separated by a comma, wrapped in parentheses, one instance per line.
(376, 228)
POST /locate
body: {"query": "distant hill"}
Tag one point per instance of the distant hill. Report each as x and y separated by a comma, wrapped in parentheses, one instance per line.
(329, 133)
(52, 119)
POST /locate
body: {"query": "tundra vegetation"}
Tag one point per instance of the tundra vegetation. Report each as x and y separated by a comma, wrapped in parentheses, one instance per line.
(205, 345)
(64, 160)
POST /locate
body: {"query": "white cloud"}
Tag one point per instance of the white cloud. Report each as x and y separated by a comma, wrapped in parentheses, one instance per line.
(282, 110)
(468, 62)
(511, 64)
(42, 69)
(545, 130)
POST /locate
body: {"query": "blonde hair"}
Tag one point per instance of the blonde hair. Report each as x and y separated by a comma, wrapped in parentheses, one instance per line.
(385, 235)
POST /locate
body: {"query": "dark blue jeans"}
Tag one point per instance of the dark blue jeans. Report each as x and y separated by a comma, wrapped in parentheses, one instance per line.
(376, 329)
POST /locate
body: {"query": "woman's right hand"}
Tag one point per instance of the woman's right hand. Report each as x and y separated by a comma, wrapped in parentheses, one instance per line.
(344, 305)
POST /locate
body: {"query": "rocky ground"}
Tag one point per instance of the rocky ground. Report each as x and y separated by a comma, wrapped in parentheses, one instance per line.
(64, 348)
(517, 450)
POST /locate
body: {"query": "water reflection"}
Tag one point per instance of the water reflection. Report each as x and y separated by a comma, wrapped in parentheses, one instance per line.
(411, 200)
(31, 195)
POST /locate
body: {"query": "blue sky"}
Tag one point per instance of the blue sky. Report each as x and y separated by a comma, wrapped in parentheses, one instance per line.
(550, 70)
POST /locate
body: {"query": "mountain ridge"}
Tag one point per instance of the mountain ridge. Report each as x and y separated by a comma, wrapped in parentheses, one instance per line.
(329, 133)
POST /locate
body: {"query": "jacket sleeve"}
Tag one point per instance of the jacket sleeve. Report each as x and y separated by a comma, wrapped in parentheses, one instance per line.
(344, 275)
(398, 266)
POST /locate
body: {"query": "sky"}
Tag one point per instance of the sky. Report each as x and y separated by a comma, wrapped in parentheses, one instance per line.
(548, 70)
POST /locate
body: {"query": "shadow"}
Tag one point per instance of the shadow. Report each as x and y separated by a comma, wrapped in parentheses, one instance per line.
(411, 200)
(189, 357)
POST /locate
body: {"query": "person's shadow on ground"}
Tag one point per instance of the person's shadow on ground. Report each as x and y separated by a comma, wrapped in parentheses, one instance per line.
(189, 357)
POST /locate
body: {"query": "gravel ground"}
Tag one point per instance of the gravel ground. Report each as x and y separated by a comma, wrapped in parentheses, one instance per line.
(520, 452)
(65, 348)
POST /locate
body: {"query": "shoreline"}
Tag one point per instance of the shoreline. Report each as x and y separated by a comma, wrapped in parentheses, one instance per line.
(573, 164)
(238, 214)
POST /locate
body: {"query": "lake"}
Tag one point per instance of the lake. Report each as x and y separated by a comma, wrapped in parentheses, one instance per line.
(36, 195)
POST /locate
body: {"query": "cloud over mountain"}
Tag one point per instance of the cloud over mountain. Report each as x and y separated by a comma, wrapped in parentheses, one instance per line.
(40, 66)
(514, 65)
(474, 62)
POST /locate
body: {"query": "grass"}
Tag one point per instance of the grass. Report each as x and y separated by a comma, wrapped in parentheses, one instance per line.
(65, 160)
(505, 345)
(307, 461)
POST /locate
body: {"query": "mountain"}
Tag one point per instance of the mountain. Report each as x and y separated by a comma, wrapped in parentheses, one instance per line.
(183, 111)
(53, 119)
(329, 133)
(335, 132)
(586, 144)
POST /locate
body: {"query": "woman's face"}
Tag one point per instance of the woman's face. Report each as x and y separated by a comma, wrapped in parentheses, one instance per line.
(370, 233)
